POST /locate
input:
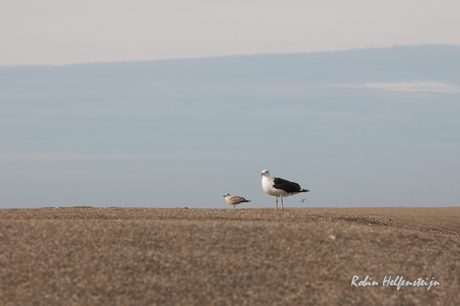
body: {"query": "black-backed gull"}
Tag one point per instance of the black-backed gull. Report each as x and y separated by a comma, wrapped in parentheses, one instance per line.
(278, 187)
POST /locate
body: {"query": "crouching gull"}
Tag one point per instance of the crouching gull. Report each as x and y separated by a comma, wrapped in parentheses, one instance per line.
(234, 200)
(278, 187)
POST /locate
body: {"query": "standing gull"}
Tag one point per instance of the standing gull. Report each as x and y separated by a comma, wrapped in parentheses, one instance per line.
(234, 200)
(278, 187)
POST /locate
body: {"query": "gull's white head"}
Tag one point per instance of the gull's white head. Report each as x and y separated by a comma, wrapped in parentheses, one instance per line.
(265, 173)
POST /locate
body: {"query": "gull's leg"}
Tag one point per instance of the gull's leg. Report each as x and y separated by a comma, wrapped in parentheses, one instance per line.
(282, 206)
(276, 207)
(233, 206)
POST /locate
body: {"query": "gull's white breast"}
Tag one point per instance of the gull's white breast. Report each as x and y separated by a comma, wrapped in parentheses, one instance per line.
(267, 186)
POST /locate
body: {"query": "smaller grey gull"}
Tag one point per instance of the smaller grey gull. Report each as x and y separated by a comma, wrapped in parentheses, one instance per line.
(279, 187)
(234, 200)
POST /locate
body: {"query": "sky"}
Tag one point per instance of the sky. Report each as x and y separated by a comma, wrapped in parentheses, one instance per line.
(165, 104)
(370, 127)
(51, 32)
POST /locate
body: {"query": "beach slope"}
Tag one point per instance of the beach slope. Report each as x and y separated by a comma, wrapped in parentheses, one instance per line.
(297, 256)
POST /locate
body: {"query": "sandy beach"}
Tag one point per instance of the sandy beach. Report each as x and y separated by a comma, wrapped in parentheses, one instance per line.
(178, 256)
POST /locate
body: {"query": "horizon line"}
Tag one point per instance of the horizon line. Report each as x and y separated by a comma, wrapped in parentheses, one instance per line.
(371, 47)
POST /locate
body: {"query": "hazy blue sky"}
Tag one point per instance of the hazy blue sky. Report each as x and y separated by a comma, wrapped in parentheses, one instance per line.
(77, 31)
(375, 127)
(371, 126)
